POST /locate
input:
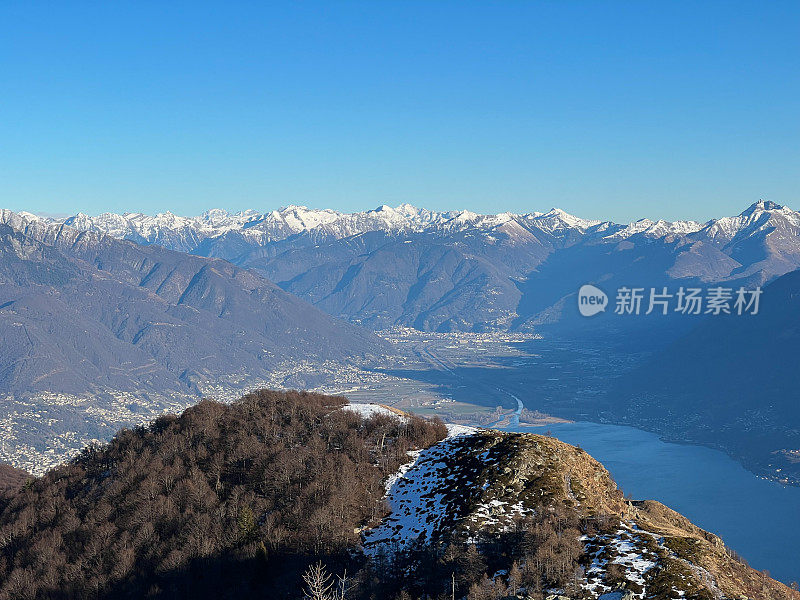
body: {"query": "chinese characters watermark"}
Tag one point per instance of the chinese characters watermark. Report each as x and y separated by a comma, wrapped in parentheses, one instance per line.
(685, 300)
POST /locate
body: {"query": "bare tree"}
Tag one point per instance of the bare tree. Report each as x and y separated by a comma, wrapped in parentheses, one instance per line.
(319, 583)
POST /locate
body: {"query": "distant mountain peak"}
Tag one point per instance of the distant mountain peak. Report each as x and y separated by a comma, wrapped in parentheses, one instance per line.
(761, 205)
(558, 219)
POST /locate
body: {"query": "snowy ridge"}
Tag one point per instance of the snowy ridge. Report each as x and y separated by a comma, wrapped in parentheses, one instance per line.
(760, 216)
(656, 229)
(261, 228)
(557, 220)
(186, 233)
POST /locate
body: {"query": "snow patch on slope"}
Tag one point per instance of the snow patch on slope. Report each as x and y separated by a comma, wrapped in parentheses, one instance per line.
(625, 548)
(417, 496)
(368, 410)
(425, 496)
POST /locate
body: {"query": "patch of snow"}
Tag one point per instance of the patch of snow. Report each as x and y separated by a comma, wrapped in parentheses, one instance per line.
(418, 499)
(367, 410)
(457, 430)
(628, 549)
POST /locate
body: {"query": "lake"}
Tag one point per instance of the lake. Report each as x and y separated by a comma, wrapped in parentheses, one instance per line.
(759, 519)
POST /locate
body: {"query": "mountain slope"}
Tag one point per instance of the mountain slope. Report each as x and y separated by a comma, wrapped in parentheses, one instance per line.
(230, 501)
(460, 271)
(482, 482)
(157, 319)
(97, 333)
(733, 382)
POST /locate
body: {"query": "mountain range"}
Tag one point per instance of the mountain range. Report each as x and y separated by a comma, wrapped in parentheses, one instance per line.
(106, 321)
(460, 271)
(98, 333)
(83, 312)
(165, 307)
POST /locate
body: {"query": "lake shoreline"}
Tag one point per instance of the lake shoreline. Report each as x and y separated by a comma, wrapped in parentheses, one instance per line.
(755, 516)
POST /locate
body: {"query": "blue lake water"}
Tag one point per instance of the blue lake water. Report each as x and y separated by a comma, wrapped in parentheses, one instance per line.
(759, 519)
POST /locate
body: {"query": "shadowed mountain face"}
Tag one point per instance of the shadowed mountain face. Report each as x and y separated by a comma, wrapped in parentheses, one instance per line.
(459, 271)
(732, 381)
(82, 312)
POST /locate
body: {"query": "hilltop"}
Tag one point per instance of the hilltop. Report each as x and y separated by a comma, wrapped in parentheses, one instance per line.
(232, 501)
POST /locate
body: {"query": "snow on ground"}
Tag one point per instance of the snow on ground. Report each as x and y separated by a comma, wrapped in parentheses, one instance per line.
(457, 430)
(419, 494)
(417, 498)
(497, 512)
(367, 410)
(417, 508)
(423, 496)
(626, 548)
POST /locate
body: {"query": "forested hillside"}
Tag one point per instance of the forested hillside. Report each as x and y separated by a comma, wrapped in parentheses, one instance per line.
(225, 501)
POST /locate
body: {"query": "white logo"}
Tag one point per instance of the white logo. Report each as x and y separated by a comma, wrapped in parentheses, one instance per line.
(591, 300)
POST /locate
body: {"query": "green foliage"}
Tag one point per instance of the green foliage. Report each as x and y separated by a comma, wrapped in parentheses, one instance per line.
(246, 523)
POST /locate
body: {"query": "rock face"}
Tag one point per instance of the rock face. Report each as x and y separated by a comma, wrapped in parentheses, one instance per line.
(460, 271)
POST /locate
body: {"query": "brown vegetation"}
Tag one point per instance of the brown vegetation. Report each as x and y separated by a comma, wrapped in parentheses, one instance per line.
(11, 480)
(222, 501)
(687, 542)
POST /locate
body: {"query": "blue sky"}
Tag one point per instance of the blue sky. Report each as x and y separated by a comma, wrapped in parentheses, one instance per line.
(612, 110)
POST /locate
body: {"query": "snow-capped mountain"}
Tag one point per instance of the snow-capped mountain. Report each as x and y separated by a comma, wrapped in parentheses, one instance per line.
(763, 216)
(656, 229)
(460, 270)
(291, 220)
(172, 230)
(157, 320)
(259, 227)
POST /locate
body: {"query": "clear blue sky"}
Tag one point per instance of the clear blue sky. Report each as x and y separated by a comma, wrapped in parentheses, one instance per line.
(614, 110)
